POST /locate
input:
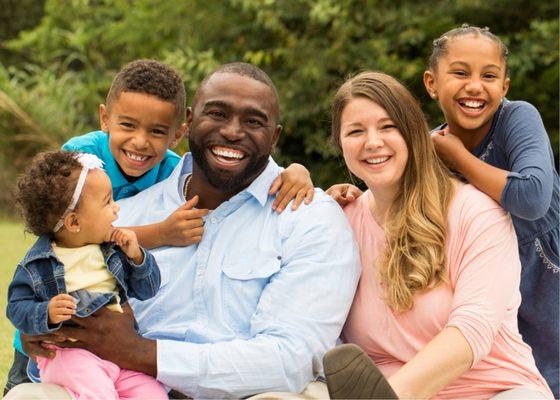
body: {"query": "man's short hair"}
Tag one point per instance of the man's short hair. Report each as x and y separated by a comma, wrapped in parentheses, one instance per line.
(243, 69)
(153, 78)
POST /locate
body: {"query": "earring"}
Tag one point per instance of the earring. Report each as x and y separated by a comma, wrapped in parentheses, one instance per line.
(77, 230)
(433, 95)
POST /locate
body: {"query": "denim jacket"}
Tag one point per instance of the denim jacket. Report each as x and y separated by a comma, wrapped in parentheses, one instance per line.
(40, 276)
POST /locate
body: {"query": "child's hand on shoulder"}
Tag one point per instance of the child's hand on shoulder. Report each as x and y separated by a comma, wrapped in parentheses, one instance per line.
(344, 193)
(128, 242)
(61, 308)
(184, 226)
(448, 147)
(294, 183)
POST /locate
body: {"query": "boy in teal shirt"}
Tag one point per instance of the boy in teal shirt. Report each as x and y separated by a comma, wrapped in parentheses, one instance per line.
(142, 119)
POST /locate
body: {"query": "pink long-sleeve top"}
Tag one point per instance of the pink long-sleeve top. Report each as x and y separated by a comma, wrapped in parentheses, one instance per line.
(481, 300)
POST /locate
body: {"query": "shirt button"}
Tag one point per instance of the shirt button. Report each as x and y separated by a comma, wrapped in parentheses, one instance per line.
(199, 272)
(250, 270)
(213, 220)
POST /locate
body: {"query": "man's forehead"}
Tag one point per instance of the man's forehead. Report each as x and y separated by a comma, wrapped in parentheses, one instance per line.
(238, 89)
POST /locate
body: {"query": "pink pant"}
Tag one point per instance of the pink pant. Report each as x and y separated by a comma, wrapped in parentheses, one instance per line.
(86, 376)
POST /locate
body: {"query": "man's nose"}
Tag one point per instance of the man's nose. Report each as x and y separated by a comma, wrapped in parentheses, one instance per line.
(232, 130)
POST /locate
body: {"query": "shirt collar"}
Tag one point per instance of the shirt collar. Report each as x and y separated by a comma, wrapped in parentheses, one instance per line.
(117, 178)
(258, 188)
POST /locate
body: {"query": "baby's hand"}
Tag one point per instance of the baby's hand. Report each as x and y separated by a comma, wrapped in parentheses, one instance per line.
(61, 308)
(293, 182)
(128, 242)
(344, 193)
(448, 147)
(185, 226)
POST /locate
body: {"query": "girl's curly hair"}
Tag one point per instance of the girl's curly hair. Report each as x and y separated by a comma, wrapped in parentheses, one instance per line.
(45, 189)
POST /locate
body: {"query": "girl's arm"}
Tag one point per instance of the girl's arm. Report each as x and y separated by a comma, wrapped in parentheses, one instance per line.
(294, 183)
(525, 187)
(484, 273)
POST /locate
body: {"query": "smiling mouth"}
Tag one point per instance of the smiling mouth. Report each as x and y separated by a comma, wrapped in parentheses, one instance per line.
(136, 158)
(227, 155)
(377, 160)
(472, 104)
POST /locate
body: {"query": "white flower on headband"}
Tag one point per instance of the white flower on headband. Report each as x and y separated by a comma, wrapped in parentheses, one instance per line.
(88, 161)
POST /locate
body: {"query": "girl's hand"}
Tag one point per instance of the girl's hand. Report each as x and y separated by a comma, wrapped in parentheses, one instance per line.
(185, 226)
(448, 147)
(127, 241)
(344, 193)
(61, 308)
(294, 183)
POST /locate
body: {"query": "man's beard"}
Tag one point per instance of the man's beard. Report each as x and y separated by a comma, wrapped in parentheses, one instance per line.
(223, 181)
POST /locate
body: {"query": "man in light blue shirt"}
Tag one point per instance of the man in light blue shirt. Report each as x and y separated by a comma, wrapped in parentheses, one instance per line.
(254, 306)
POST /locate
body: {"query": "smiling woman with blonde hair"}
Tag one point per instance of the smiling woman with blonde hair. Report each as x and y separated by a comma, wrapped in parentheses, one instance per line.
(436, 306)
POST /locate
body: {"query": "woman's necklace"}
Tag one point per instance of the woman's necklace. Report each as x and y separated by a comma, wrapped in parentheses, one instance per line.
(187, 186)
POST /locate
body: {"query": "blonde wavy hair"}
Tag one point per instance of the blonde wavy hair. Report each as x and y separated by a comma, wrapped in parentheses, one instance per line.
(416, 223)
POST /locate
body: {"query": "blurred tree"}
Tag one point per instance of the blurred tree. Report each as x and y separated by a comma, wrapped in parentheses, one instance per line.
(307, 46)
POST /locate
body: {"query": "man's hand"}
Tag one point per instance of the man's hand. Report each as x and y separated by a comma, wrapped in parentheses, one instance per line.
(127, 241)
(185, 226)
(61, 308)
(111, 336)
(449, 147)
(35, 346)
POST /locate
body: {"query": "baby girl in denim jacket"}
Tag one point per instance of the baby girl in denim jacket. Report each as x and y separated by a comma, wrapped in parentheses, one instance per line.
(79, 264)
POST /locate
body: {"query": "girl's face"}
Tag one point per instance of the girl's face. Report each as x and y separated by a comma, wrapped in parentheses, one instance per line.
(96, 210)
(373, 148)
(469, 83)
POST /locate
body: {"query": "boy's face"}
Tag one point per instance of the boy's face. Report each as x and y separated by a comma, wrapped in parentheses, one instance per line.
(141, 128)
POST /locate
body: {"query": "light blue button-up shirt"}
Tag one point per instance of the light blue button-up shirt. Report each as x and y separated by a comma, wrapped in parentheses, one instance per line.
(254, 306)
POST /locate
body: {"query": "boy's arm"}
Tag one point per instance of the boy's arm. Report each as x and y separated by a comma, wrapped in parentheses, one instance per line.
(294, 183)
(182, 228)
(24, 310)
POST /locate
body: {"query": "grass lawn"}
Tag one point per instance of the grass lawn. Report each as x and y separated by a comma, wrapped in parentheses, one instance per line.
(13, 245)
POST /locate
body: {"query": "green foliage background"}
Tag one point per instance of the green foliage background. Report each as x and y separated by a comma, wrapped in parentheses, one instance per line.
(58, 58)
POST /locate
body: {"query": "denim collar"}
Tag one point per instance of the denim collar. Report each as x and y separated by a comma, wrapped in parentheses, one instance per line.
(42, 249)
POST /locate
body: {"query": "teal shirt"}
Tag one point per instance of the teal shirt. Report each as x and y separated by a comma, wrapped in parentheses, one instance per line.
(97, 143)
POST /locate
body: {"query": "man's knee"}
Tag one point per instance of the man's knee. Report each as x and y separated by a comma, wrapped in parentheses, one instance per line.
(37, 391)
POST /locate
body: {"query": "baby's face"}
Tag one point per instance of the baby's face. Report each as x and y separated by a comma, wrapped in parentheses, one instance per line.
(141, 128)
(96, 209)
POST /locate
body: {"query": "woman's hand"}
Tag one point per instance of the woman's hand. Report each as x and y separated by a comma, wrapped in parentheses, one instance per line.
(344, 193)
(294, 183)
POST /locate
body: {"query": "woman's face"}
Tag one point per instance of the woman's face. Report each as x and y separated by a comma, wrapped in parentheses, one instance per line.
(373, 148)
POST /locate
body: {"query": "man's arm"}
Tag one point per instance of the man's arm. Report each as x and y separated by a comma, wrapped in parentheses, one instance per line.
(298, 318)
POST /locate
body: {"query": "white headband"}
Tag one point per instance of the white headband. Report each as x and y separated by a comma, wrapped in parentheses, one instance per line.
(88, 161)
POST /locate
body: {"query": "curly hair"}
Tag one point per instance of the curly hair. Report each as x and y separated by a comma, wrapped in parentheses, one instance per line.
(440, 45)
(45, 189)
(150, 77)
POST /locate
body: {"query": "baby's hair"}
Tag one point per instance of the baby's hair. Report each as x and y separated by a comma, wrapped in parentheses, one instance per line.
(150, 77)
(441, 44)
(45, 189)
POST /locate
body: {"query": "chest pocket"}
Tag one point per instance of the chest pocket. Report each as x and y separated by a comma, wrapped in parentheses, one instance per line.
(242, 284)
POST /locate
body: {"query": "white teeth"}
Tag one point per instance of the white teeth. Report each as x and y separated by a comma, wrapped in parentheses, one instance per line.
(473, 103)
(136, 157)
(377, 160)
(228, 154)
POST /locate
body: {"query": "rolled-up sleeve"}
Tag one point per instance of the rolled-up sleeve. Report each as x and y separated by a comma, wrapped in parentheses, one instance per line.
(485, 274)
(528, 190)
(299, 316)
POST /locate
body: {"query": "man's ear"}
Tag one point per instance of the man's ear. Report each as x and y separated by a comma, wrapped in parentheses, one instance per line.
(430, 84)
(189, 121)
(179, 133)
(104, 118)
(71, 222)
(275, 137)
